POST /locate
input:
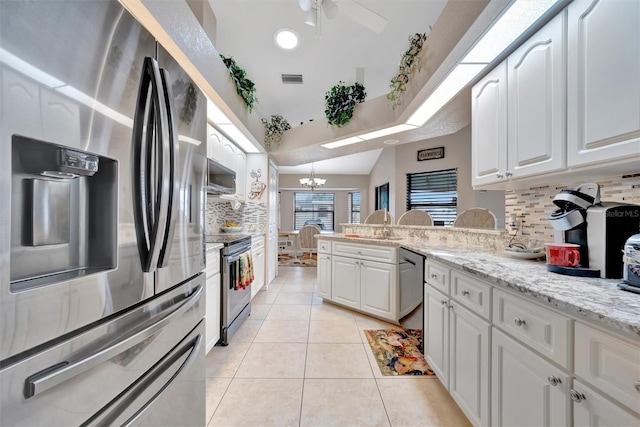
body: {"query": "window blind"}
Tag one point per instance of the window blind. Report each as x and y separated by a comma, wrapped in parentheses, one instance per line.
(354, 208)
(315, 208)
(434, 192)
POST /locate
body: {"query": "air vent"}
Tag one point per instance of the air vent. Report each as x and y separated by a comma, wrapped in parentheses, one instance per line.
(292, 79)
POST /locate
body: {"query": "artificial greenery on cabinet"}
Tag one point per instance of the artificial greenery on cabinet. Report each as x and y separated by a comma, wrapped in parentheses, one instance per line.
(273, 130)
(244, 87)
(407, 65)
(340, 102)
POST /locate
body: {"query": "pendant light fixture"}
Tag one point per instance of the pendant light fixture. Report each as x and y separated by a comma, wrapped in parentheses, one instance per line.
(312, 182)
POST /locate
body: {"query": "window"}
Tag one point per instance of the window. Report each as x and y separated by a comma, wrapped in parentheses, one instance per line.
(313, 207)
(354, 208)
(382, 197)
(435, 193)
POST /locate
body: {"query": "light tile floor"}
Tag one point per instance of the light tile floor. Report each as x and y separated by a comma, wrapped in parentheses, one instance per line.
(297, 361)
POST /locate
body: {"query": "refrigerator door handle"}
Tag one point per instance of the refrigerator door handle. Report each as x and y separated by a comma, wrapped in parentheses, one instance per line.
(174, 181)
(150, 168)
(173, 364)
(61, 372)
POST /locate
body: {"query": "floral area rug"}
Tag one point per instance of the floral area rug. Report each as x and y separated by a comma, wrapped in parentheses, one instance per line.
(397, 353)
(304, 260)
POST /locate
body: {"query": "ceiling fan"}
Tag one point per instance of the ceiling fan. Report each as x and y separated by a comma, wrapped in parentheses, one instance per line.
(350, 8)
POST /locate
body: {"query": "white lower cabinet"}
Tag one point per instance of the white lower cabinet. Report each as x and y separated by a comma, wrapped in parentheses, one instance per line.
(525, 388)
(213, 297)
(259, 260)
(359, 281)
(592, 409)
(456, 343)
(324, 275)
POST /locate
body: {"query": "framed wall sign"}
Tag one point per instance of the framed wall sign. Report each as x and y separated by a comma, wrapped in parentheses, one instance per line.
(431, 154)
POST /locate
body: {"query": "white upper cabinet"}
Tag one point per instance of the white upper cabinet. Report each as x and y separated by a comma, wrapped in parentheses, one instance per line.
(489, 127)
(603, 79)
(536, 99)
(214, 144)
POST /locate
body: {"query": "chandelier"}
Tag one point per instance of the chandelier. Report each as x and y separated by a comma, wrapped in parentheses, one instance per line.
(312, 182)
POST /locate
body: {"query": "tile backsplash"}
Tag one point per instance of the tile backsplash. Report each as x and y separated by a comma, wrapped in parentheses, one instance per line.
(533, 205)
(253, 216)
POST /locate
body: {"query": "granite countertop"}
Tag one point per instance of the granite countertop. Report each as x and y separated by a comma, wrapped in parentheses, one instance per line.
(597, 300)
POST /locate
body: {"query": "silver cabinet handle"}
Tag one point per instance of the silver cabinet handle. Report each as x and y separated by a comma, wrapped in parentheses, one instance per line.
(444, 302)
(434, 276)
(519, 322)
(553, 380)
(465, 293)
(508, 174)
(359, 252)
(576, 396)
(499, 175)
(55, 375)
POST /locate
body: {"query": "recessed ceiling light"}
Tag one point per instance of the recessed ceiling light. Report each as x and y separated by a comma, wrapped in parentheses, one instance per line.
(286, 39)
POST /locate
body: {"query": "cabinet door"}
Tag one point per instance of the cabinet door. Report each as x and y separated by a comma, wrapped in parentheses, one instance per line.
(378, 283)
(212, 307)
(593, 410)
(345, 281)
(536, 99)
(214, 144)
(229, 154)
(603, 77)
(469, 363)
(489, 127)
(522, 390)
(241, 173)
(324, 276)
(258, 270)
(436, 332)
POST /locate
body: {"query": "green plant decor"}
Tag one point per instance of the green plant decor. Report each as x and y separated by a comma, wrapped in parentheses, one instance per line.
(273, 130)
(407, 65)
(245, 87)
(340, 102)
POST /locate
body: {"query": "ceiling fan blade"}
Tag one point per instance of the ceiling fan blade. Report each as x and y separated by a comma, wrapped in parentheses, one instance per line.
(363, 16)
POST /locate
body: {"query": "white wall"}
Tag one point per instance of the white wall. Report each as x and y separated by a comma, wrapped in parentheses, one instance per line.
(394, 163)
(340, 185)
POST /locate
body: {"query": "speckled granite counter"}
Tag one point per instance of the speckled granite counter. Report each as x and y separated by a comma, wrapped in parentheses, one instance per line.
(597, 300)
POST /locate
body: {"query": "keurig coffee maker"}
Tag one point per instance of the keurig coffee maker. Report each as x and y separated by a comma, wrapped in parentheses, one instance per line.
(599, 228)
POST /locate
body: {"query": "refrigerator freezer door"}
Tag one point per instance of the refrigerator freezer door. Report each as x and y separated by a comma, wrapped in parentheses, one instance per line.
(78, 379)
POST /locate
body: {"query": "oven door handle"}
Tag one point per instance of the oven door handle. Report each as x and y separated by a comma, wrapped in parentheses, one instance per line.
(230, 259)
(61, 372)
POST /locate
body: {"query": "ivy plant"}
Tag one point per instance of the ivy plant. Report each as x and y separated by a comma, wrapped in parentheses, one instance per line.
(407, 65)
(340, 102)
(274, 129)
(244, 87)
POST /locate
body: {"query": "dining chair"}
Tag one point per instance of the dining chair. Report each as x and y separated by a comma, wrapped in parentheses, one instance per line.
(476, 218)
(307, 241)
(377, 217)
(415, 217)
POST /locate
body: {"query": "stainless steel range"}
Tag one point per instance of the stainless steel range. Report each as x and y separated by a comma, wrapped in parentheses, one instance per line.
(236, 300)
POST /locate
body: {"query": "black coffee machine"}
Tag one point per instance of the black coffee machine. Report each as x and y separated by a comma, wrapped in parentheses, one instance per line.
(600, 228)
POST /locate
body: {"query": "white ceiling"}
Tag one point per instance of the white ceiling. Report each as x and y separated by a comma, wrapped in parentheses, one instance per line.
(352, 164)
(245, 30)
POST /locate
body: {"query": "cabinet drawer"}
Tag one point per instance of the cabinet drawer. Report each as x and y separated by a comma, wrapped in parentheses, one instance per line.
(609, 363)
(437, 275)
(472, 293)
(543, 330)
(257, 242)
(324, 247)
(366, 252)
(212, 261)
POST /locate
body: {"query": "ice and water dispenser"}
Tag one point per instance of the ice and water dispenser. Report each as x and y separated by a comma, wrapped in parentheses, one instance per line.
(63, 213)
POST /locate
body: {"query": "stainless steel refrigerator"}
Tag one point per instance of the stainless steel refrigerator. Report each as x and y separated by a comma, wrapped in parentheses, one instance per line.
(102, 169)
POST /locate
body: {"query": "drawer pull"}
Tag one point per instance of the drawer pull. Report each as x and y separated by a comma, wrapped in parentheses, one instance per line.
(553, 380)
(465, 293)
(443, 302)
(359, 252)
(519, 322)
(434, 276)
(576, 396)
